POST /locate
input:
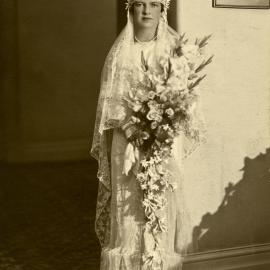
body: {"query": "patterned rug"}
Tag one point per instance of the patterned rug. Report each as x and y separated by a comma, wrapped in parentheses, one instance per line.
(47, 216)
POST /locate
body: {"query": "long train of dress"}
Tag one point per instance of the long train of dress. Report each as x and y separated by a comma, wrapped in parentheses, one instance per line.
(128, 241)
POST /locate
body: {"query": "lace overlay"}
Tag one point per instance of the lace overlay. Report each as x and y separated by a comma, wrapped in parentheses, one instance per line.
(102, 224)
(119, 214)
(128, 240)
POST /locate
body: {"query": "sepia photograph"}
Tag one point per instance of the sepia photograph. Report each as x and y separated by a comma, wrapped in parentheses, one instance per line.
(134, 135)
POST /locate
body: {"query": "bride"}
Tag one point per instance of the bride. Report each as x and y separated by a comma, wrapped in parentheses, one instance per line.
(120, 220)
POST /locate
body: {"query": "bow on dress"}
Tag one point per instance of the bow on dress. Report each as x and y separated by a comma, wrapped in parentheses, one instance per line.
(131, 157)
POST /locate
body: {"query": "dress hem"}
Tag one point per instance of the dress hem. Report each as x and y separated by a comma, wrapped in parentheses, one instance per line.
(117, 259)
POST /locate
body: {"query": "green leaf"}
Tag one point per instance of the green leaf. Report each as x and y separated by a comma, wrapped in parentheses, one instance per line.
(203, 42)
(194, 84)
(204, 64)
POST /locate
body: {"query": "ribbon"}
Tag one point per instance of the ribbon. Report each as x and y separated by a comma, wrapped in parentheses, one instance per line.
(131, 156)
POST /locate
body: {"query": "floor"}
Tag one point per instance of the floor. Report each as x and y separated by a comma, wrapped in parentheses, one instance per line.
(48, 210)
(47, 217)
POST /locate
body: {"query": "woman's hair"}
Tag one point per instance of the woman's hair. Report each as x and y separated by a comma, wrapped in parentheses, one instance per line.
(131, 10)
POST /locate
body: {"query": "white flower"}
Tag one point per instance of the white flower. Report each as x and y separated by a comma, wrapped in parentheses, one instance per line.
(141, 95)
(143, 186)
(154, 125)
(163, 97)
(136, 107)
(184, 92)
(152, 161)
(152, 173)
(169, 112)
(180, 65)
(145, 135)
(141, 176)
(120, 112)
(157, 79)
(135, 119)
(152, 104)
(160, 88)
(178, 83)
(176, 125)
(179, 79)
(153, 77)
(160, 169)
(131, 93)
(192, 107)
(151, 95)
(190, 52)
(144, 163)
(153, 115)
(160, 111)
(141, 77)
(157, 158)
(163, 61)
(150, 195)
(149, 206)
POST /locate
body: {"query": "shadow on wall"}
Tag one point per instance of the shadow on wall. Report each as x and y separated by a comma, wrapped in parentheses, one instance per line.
(243, 218)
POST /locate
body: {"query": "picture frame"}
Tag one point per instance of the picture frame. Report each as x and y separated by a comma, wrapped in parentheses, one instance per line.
(241, 4)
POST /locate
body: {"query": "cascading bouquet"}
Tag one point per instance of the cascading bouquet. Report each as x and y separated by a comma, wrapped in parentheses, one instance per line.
(161, 107)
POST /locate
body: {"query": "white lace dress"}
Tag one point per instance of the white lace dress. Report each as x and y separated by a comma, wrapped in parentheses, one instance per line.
(128, 240)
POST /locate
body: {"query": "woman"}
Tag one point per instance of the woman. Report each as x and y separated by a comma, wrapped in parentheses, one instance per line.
(120, 220)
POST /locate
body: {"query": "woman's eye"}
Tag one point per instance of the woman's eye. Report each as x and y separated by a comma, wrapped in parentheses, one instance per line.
(137, 4)
(155, 4)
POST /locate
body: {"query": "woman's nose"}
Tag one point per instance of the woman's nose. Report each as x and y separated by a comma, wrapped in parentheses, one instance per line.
(146, 9)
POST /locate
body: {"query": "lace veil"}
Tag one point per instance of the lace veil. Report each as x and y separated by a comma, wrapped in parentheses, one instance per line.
(111, 112)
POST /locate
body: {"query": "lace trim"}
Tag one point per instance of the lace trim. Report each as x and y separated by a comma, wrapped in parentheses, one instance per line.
(103, 208)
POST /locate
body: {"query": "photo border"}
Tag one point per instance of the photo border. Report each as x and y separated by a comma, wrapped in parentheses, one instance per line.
(215, 5)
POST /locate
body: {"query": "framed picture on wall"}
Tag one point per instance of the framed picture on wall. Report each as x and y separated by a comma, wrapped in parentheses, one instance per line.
(256, 4)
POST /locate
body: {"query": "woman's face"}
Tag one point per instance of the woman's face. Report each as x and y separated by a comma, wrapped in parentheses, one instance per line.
(146, 13)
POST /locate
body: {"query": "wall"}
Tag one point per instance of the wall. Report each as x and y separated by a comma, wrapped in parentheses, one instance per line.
(235, 101)
(61, 49)
(1, 138)
(9, 122)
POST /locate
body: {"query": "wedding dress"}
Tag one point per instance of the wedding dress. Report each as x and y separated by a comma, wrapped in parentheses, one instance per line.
(128, 241)
(120, 220)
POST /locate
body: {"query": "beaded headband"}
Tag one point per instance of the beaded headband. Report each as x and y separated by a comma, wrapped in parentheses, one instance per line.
(166, 3)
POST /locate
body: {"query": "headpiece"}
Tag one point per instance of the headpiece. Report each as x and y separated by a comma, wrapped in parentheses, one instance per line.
(165, 3)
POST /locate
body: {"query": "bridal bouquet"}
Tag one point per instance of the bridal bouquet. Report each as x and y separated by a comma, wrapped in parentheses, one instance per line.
(161, 107)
